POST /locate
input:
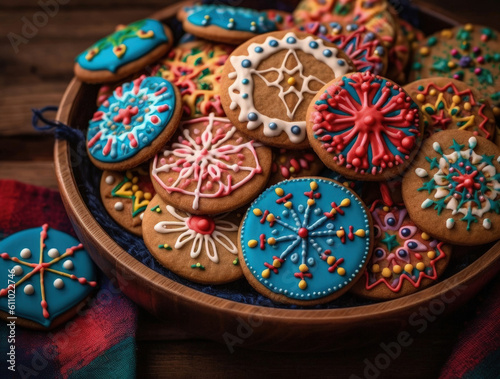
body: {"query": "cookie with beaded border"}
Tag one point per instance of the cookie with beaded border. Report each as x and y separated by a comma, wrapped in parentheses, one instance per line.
(362, 235)
(105, 121)
(448, 104)
(202, 249)
(405, 259)
(405, 131)
(126, 195)
(108, 75)
(235, 168)
(453, 215)
(261, 79)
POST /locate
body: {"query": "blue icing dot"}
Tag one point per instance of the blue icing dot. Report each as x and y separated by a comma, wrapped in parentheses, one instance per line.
(330, 242)
(252, 116)
(246, 63)
(327, 53)
(294, 258)
(245, 96)
(313, 45)
(272, 126)
(317, 211)
(275, 232)
(341, 62)
(291, 40)
(135, 47)
(296, 130)
(329, 226)
(245, 81)
(301, 208)
(285, 213)
(273, 43)
(311, 261)
(121, 122)
(259, 49)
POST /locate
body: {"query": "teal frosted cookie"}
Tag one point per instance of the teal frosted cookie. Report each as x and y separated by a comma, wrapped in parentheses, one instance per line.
(133, 123)
(228, 24)
(305, 241)
(46, 274)
(126, 51)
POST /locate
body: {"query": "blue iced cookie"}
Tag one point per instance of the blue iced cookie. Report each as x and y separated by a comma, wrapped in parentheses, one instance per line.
(134, 123)
(305, 241)
(129, 49)
(228, 24)
(46, 275)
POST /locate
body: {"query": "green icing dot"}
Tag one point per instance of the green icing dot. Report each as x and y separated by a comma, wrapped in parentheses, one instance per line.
(431, 41)
(417, 66)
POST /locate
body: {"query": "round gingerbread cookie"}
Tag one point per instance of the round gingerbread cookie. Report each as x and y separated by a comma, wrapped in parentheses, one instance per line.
(363, 47)
(269, 81)
(365, 127)
(469, 53)
(196, 69)
(451, 104)
(199, 248)
(133, 123)
(452, 191)
(404, 260)
(374, 14)
(305, 241)
(209, 167)
(126, 196)
(288, 164)
(227, 24)
(48, 273)
(129, 49)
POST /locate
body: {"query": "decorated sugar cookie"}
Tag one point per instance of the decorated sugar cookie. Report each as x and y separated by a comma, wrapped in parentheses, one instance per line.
(269, 81)
(469, 53)
(364, 127)
(126, 51)
(196, 69)
(288, 164)
(48, 273)
(364, 48)
(305, 241)
(199, 248)
(209, 167)
(452, 191)
(374, 14)
(451, 104)
(228, 24)
(404, 259)
(126, 196)
(133, 123)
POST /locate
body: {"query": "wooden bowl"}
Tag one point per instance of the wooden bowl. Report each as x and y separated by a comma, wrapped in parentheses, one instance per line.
(235, 323)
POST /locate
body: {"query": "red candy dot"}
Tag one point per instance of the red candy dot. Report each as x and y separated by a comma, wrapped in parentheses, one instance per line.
(155, 119)
(303, 233)
(408, 142)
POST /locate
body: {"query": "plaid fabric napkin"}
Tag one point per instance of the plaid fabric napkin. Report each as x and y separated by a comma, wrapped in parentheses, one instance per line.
(97, 343)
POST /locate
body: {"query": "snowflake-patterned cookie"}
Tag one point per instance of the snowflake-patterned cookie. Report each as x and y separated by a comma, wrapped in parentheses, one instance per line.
(365, 127)
(453, 190)
(46, 274)
(209, 167)
(305, 241)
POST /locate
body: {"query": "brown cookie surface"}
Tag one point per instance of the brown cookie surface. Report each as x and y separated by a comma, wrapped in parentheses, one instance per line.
(268, 82)
(452, 190)
(202, 249)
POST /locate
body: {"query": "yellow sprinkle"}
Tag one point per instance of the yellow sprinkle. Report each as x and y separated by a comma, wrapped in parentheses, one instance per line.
(288, 204)
(360, 233)
(135, 180)
(252, 243)
(276, 263)
(266, 273)
(424, 51)
(330, 260)
(135, 188)
(271, 241)
(467, 106)
(231, 20)
(291, 81)
(408, 268)
(253, 23)
(333, 211)
(431, 254)
(375, 268)
(446, 33)
(420, 97)
(425, 236)
(303, 268)
(207, 17)
(397, 269)
(292, 169)
(432, 92)
(148, 196)
(420, 266)
(386, 209)
(345, 203)
(451, 64)
(469, 27)
(302, 284)
(129, 175)
(456, 99)
(341, 271)
(257, 212)
(270, 217)
(282, 159)
(340, 233)
(313, 185)
(386, 272)
(310, 202)
(279, 191)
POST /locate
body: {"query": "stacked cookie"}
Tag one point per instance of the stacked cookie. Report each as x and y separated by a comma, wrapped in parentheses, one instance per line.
(215, 150)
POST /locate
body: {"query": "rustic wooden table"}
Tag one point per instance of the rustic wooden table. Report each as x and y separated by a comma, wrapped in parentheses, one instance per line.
(34, 72)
